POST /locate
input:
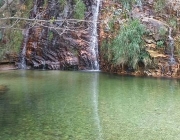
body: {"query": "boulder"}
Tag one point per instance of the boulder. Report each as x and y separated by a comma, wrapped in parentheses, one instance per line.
(155, 26)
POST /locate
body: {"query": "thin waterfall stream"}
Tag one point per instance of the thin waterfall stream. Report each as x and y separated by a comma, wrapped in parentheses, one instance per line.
(94, 38)
(139, 3)
(22, 64)
(171, 46)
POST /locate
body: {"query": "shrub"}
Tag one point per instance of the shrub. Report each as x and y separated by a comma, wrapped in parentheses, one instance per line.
(127, 47)
(12, 42)
(162, 31)
(127, 4)
(177, 46)
(79, 10)
(173, 22)
(160, 44)
(159, 5)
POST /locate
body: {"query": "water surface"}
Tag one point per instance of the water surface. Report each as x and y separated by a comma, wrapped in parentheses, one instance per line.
(64, 105)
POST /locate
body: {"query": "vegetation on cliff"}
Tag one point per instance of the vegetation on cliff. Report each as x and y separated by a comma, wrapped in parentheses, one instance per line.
(127, 48)
(16, 16)
(123, 39)
(159, 51)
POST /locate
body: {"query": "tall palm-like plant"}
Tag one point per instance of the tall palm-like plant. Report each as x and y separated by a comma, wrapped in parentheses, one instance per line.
(127, 47)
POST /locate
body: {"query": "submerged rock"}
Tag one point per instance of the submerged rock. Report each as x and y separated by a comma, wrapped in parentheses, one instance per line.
(3, 89)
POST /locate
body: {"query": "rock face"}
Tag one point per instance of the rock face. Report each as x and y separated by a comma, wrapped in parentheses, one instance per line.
(164, 57)
(59, 42)
(56, 41)
(154, 26)
(161, 40)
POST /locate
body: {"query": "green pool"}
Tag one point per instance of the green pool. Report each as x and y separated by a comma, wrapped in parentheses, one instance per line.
(66, 105)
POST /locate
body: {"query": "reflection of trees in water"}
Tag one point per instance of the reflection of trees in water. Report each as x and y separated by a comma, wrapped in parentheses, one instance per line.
(16, 104)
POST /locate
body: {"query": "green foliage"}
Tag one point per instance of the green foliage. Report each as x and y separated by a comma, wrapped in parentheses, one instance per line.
(177, 45)
(173, 22)
(159, 5)
(62, 2)
(16, 40)
(106, 51)
(145, 57)
(162, 31)
(11, 42)
(127, 47)
(128, 43)
(29, 5)
(1, 2)
(111, 24)
(50, 35)
(160, 44)
(1, 35)
(127, 4)
(79, 10)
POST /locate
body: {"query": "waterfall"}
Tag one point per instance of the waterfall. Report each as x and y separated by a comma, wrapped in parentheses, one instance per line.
(171, 42)
(139, 3)
(171, 46)
(94, 35)
(23, 54)
(43, 65)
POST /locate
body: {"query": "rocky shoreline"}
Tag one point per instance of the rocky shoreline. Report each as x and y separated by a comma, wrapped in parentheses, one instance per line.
(8, 66)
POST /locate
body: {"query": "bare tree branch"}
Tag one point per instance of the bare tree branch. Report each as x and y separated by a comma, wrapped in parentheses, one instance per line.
(40, 20)
(7, 2)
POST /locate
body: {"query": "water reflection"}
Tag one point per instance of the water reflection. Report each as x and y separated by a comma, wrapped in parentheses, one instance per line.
(95, 94)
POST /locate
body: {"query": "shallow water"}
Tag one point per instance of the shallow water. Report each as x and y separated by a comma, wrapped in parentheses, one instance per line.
(64, 105)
